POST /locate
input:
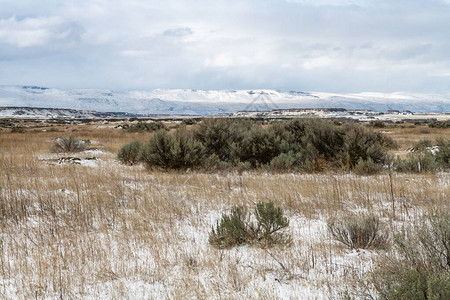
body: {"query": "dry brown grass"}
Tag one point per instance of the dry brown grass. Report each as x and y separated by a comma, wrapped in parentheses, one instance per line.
(411, 134)
(114, 231)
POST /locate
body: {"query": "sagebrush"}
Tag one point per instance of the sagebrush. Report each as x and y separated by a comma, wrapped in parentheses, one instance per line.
(359, 231)
(237, 228)
(420, 266)
(68, 144)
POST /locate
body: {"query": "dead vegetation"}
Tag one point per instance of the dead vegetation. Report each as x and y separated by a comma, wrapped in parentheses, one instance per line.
(114, 231)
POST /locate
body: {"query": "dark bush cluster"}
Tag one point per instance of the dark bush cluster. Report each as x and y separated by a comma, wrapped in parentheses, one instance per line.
(377, 124)
(130, 153)
(440, 124)
(17, 129)
(302, 144)
(237, 228)
(144, 126)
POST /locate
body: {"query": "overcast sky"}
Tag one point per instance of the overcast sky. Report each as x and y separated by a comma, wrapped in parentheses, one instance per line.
(303, 45)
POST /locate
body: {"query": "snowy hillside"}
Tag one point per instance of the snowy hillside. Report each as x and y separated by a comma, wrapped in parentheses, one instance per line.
(201, 102)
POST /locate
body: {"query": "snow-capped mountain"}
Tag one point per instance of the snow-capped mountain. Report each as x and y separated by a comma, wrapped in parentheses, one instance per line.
(201, 102)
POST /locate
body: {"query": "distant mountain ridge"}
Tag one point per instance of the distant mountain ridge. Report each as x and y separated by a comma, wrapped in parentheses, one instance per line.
(212, 102)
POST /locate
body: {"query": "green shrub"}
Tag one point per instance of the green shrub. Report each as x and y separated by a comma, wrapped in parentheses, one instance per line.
(237, 229)
(144, 126)
(377, 124)
(256, 146)
(386, 142)
(157, 152)
(303, 144)
(130, 153)
(284, 161)
(367, 167)
(442, 156)
(18, 129)
(180, 151)
(269, 224)
(420, 268)
(440, 124)
(232, 230)
(189, 121)
(220, 136)
(360, 143)
(423, 159)
(361, 231)
(68, 144)
(416, 163)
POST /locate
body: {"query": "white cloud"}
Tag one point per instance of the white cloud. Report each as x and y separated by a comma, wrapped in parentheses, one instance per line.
(135, 53)
(30, 32)
(317, 62)
(178, 32)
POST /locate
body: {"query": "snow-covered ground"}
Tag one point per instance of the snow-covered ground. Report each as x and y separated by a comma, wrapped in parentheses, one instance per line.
(97, 229)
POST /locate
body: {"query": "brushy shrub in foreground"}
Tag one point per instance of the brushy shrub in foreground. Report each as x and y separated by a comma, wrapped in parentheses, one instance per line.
(130, 153)
(360, 231)
(237, 228)
(68, 144)
(178, 151)
(232, 230)
(269, 224)
(420, 266)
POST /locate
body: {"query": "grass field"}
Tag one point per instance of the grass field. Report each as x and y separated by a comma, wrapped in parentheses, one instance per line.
(85, 226)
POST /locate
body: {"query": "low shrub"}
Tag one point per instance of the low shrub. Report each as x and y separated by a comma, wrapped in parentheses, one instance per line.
(18, 129)
(420, 266)
(361, 231)
(361, 144)
(377, 124)
(189, 121)
(178, 151)
(68, 144)
(237, 228)
(442, 155)
(232, 230)
(440, 124)
(144, 126)
(304, 144)
(130, 153)
(367, 167)
(269, 224)
(284, 161)
(426, 158)
(416, 163)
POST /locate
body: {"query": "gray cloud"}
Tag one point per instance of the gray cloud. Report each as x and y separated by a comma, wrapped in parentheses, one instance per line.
(325, 45)
(178, 32)
(39, 31)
